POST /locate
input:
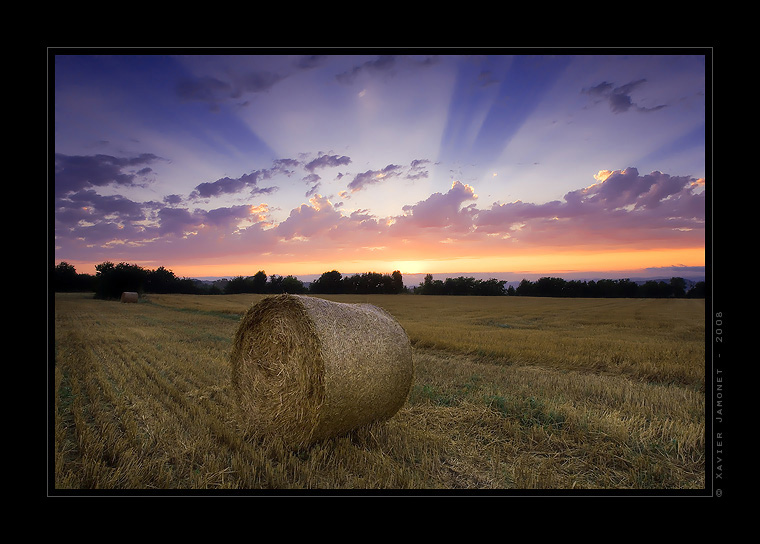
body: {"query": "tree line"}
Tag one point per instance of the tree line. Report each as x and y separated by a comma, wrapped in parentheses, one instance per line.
(112, 279)
(461, 286)
(625, 288)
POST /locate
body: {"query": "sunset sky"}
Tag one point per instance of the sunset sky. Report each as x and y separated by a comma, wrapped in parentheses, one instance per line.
(548, 162)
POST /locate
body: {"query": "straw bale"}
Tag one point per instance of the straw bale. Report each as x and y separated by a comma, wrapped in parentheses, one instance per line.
(129, 296)
(306, 369)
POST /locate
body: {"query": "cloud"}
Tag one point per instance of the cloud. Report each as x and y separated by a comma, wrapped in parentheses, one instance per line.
(312, 178)
(282, 165)
(203, 89)
(320, 228)
(417, 169)
(325, 161)
(503, 217)
(383, 63)
(620, 208)
(623, 208)
(214, 91)
(309, 220)
(255, 82)
(677, 269)
(76, 172)
(173, 200)
(228, 185)
(371, 177)
(619, 98)
(179, 221)
(307, 62)
(626, 188)
(441, 210)
(88, 209)
(313, 190)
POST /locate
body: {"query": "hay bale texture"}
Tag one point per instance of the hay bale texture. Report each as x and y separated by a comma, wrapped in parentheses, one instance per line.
(129, 296)
(306, 369)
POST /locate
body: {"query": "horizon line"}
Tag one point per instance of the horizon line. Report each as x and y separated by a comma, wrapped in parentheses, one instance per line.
(644, 273)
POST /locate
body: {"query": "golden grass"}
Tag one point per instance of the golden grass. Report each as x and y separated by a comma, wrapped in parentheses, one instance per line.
(510, 393)
(652, 339)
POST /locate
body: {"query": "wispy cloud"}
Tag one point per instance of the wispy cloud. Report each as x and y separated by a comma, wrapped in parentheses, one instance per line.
(383, 63)
(371, 177)
(619, 98)
(237, 85)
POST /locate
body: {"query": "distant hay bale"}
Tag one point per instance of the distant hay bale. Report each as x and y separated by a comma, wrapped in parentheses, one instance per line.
(305, 368)
(129, 296)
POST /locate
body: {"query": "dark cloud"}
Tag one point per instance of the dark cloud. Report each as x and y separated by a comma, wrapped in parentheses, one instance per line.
(417, 169)
(176, 221)
(111, 205)
(256, 82)
(325, 161)
(226, 185)
(307, 62)
(173, 200)
(76, 172)
(100, 236)
(315, 180)
(90, 220)
(619, 98)
(214, 91)
(381, 64)
(226, 218)
(679, 268)
(282, 165)
(204, 89)
(311, 192)
(371, 177)
(179, 221)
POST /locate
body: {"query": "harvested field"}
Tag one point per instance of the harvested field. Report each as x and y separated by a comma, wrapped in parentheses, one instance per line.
(509, 394)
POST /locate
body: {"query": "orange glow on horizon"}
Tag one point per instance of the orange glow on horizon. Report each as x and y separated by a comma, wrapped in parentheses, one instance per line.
(553, 263)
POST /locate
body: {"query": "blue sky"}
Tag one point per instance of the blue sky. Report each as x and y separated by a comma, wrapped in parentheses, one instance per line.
(562, 162)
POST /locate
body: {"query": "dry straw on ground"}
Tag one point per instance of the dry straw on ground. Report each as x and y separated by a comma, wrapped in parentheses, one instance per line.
(305, 368)
(129, 296)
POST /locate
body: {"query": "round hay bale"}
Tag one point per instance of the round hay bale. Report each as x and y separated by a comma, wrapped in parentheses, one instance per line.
(306, 369)
(129, 296)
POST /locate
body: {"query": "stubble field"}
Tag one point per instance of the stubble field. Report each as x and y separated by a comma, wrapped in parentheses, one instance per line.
(510, 393)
